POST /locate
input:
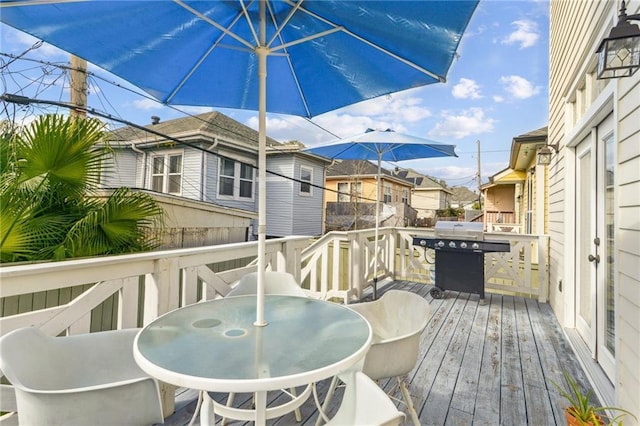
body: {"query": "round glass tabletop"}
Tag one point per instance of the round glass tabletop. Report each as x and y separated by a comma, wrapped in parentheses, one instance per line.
(215, 346)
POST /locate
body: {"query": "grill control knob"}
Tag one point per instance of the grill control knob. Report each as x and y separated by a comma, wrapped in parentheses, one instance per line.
(440, 243)
(423, 243)
(452, 244)
(475, 246)
(463, 245)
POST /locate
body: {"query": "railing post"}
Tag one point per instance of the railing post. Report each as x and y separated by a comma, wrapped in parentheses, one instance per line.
(356, 259)
(543, 268)
(391, 252)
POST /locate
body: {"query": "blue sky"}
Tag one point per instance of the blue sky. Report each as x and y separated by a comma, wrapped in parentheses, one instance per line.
(496, 89)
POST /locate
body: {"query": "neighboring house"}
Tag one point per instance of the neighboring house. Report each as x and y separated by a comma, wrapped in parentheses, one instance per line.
(428, 194)
(516, 197)
(594, 201)
(214, 162)
(463, 198)
(500, 199)
(351, 194)
(295, 207)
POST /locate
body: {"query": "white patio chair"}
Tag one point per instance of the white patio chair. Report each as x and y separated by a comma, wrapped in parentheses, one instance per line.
(87, 379)
(397, 319)
(364, 403)
(274, 283)
(280, 283)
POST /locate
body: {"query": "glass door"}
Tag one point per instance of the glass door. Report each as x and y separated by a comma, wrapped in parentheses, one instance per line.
(595, 244)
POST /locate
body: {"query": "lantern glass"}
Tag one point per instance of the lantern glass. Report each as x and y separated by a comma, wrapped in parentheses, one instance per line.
(619, 57)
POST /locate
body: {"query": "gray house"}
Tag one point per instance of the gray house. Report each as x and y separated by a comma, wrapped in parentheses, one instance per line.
(294, 206)
(213, 159)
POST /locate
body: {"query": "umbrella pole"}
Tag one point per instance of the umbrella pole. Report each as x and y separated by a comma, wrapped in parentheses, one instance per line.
(375, 245)
(261, 52)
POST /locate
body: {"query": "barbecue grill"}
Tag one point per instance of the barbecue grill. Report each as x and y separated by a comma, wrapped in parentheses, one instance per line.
(459, 256)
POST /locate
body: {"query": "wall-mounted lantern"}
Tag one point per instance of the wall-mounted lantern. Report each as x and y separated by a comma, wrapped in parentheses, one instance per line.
(545, 153)
(619, 54)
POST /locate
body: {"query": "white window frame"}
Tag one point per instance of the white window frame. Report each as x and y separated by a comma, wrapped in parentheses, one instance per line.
(304, 182)
(237, 180)
(166, 173)
(387, 194)
(353, 192)
(405, 195)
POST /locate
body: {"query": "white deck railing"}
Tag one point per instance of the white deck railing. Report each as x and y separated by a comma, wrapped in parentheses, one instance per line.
(338, 265)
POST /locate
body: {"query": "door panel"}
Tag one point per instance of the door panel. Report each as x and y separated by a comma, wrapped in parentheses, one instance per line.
(595, 244)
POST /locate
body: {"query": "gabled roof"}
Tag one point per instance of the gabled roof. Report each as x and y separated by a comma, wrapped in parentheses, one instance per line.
(462, 194)
(361, 168)
(524, 148)
(212, 124)
(421, 181)
(505, 177)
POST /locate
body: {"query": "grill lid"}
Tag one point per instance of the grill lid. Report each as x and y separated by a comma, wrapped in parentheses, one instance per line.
(459, 230)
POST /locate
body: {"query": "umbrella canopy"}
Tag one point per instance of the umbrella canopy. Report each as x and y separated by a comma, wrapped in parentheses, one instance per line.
(323, 54)
(382, 145)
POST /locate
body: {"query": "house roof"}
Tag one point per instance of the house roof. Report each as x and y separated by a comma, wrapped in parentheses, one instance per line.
(462, 194)
(524, 148)
(361, 168)
(213, 124)
(506, 176)
(421, 181)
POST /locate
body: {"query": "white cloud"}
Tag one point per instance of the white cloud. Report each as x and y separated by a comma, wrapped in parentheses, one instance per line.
(498, 99)
(526, 34)
(398, 107)
(519, 87)
(469, 122)
(466, 89)
(23, 41)
(147, 104)
(195, 110)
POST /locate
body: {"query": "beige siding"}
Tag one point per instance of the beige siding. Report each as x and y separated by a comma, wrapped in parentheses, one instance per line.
(574, 99)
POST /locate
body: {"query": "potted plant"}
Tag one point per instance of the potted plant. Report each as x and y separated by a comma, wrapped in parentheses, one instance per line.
(581, 412)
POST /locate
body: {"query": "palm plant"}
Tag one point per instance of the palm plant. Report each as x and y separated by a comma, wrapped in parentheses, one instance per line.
(49, 174)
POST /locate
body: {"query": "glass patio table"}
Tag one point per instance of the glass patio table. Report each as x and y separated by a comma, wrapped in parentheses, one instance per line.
(214, 346)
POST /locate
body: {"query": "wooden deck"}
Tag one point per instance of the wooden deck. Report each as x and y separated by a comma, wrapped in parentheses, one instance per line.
(491, 364)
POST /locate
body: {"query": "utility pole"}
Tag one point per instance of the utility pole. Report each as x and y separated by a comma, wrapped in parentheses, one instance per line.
(479, 177)
(78, 81)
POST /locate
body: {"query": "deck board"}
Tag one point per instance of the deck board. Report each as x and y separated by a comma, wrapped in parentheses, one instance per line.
(479, 365)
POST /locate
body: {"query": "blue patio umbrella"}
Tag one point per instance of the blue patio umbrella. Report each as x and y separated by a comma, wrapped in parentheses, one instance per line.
(379, 146)
(322, 54)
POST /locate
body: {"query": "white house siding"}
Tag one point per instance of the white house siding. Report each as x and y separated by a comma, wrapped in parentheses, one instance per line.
(280, 198)
(192, 174)
(308, 210)
(578, 103)
(120, 170)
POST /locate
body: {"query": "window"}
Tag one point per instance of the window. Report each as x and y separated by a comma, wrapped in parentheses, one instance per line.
(387, 193)
(306, 176)
(349, 192)
(166, 173)
(236, 179)
(405, 196)
(343, 192)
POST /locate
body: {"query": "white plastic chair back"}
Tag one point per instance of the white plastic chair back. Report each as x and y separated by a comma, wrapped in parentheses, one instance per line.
(78, 380)
(364, 403)
(281, 283)
(397, 319)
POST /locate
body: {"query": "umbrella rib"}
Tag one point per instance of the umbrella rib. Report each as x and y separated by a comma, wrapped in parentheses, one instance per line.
(193, 69)
(250, 25)
(215, 24)
(292, 12)
(374, 45)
